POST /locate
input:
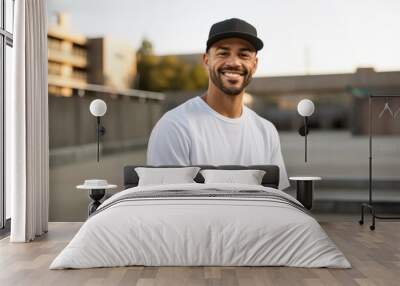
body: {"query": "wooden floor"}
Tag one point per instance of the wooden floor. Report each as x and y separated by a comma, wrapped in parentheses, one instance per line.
(375, 257)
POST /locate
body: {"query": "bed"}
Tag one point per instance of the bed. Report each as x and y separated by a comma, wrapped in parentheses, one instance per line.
(201, 224)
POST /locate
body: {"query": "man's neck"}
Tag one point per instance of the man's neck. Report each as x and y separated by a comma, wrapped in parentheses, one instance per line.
(227, 105)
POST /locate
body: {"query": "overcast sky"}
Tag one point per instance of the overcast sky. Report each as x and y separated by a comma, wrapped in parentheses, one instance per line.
(300, 36)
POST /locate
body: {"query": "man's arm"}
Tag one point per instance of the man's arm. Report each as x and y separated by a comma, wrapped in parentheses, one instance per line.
(169, 144)
(277, 159)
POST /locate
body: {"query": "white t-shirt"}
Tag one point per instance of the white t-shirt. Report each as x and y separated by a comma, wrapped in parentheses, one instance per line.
(195, 134)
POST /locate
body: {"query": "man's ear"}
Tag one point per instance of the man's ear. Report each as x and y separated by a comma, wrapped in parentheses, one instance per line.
(256, 65)
(205, 59)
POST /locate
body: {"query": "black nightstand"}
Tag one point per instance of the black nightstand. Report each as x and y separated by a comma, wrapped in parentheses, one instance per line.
(97, 190)
(304, 190)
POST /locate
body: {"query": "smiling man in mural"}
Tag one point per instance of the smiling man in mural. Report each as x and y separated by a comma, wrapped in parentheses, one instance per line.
(217, 128)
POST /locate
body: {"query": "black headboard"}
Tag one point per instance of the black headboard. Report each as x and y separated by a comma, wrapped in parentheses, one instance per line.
(270, 179)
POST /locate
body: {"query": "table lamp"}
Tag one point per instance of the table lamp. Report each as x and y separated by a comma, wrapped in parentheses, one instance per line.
(305, 108)
(98, 108)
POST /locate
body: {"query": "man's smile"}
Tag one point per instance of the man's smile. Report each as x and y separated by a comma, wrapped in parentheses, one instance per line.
(232, 76)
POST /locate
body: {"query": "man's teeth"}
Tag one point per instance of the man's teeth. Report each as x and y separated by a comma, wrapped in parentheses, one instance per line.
(232, 75)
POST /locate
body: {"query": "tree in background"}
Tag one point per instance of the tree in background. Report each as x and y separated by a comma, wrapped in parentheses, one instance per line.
(167, 73)
(199, 77)
(146, 62)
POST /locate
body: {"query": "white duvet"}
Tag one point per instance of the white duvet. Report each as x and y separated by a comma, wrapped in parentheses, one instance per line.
(200, 231)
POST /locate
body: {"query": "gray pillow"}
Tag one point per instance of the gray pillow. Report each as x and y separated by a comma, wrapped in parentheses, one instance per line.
(248, 177)
(162, 176)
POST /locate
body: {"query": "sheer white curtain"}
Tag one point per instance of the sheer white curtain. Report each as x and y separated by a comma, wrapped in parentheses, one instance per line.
(27, 144)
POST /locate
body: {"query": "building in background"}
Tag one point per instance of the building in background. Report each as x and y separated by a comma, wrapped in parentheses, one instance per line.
(337, 105)
(112, 63)
(67, 58)
(75, 62)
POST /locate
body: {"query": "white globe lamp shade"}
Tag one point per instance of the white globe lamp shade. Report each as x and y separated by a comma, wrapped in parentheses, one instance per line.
(305, 107)
(98, 107)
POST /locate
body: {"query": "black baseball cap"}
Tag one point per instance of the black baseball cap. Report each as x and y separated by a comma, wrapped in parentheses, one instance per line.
(234, 28)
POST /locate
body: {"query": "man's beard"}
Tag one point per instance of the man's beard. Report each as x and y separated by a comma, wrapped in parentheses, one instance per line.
(215, 76)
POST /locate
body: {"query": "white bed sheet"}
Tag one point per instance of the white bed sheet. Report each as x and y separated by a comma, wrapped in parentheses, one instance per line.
(200, 231)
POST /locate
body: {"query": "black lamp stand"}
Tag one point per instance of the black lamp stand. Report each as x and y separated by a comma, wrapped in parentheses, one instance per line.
(303, 131)
(100, 131)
